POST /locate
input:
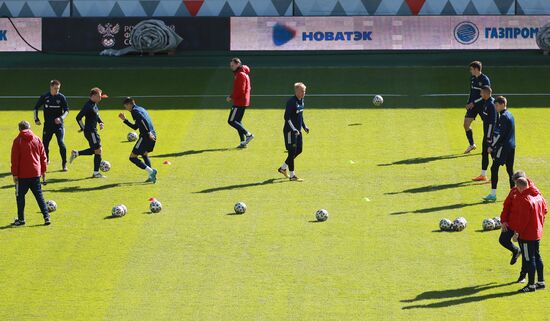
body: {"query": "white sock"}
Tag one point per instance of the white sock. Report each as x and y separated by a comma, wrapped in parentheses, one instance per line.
(284, 166)
(95, 173)
(483, 172)
(494, 192)
(149, 169)
(248, 134)
(292, 174)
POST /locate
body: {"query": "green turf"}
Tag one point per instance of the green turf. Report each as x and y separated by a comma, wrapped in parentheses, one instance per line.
(385, 175)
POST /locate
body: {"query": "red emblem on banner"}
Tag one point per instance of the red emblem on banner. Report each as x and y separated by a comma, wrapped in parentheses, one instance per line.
(193, 6)
(415, 6)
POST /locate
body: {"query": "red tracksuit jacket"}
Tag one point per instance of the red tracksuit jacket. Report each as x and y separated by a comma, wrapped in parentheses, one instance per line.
(28, 157)
(507, 209)
(531, 209)
(241, 87)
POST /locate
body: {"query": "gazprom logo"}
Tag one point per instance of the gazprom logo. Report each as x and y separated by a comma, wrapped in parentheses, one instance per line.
(282, 34)
(3, 35)
(466, 33)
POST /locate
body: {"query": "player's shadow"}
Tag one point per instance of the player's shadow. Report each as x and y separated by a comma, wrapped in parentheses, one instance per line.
(438, 208)
(423, 160)
(192, 152)
(73, 189)
(237, 186)
(458, 296)
(434, 188)
(6, 174)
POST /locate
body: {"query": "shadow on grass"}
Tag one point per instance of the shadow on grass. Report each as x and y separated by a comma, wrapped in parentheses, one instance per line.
(423, 160)
(237, 186)
(234, 214)
(434, 188)
(192, 152)
(458, 296)
(355, 124)
(111, 217)
(315, 221)
(438, 208)
(73, 189)
(6, 174)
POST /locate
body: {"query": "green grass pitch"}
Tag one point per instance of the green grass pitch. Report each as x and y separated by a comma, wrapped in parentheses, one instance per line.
(385, 175)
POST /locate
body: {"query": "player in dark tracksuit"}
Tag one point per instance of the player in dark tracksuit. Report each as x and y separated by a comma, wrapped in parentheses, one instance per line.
(489, 122)
(292, 130)
(55, 111)
(90, 111)
(147, 137)
(474, 106)
(503, 146)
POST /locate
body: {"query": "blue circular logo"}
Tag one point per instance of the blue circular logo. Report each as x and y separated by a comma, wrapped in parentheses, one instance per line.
(466, 33)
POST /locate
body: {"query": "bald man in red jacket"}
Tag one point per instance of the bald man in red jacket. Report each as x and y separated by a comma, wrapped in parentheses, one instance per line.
(28, 164)
(531, 209)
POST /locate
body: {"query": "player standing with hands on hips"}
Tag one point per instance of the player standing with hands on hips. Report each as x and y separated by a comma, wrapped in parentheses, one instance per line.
(292, 130)
(147, 137)
(240, 99)
(91, 112)
(55, 111)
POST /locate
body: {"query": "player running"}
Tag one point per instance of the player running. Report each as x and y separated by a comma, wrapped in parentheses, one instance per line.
(241, 100)
(91, 112)
(147, 137)
(55, 111)
(292, 130)
(503, 146)
(489, 122)
(475, 103)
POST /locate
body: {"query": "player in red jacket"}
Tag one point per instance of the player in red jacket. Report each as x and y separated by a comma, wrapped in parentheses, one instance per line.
(530, 207)
(240, 99)
(28, 164)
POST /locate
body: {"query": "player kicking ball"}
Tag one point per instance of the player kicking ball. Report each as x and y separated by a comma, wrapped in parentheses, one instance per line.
(90, 111)
(147, 137)
(292, 130)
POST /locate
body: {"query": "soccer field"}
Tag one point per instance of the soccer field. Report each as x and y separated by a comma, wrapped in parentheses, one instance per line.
(385, 175)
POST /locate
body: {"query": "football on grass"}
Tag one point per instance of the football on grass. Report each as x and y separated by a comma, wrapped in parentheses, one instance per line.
(240, 208)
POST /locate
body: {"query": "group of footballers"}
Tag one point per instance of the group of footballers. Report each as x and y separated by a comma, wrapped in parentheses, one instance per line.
(524, 209)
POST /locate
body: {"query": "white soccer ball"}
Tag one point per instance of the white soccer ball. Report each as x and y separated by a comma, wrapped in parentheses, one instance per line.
(124, 208)
(104, 166)
(445, 224)
(488, 224)
(51, 205)
(321, 215)
(240, 208)
(498, 224)
(459, 224)
(118, 211)
(155, 206)
(132, 137)
(378, 100)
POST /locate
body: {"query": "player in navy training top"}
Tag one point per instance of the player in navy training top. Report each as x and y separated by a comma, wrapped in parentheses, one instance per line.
(292, 130)
(475, 102)
(55, 110)
(147, 136)
(489, 122)
(90, 111)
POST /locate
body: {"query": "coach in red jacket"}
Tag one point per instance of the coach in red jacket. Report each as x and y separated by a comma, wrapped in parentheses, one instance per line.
(530, 208)
(28, 163)
(240, 99)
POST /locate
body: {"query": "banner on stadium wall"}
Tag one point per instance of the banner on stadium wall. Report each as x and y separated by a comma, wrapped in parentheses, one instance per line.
(30, 29)
(97, 34)
(386, 33)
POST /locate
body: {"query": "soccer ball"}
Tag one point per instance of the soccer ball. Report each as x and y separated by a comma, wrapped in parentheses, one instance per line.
(51, 205)
(104, 166)
(488, 224)
(498, 224)
(132, 137)
(321, 215)
(445, 224)
(240, 208)
(124, 208)
(459, 224)
(118, 211)
(155, 206)
(378, 100)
